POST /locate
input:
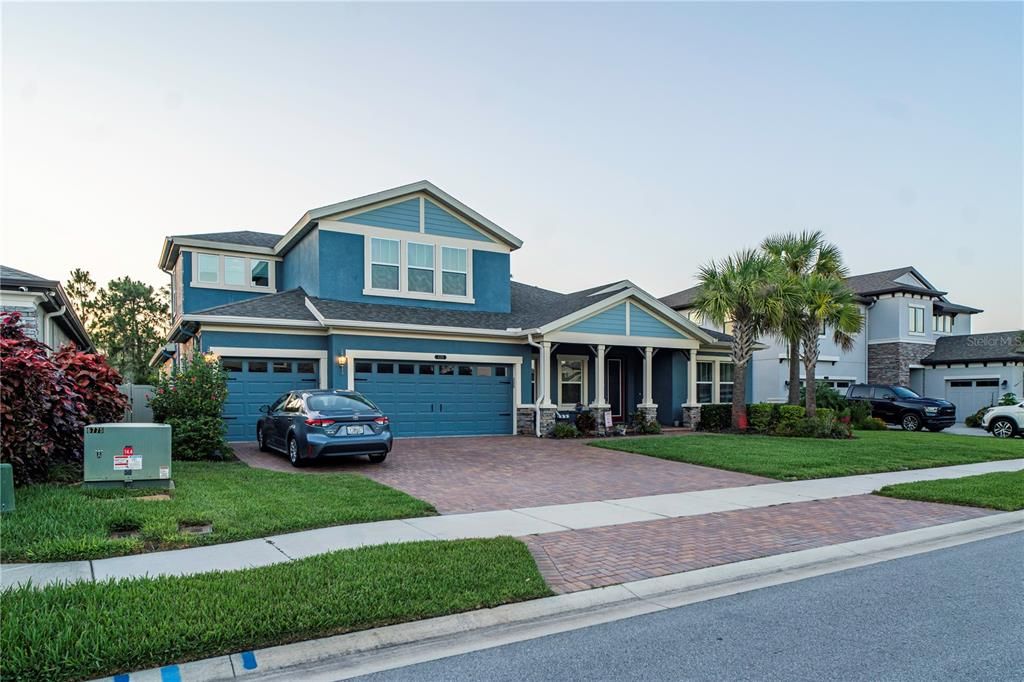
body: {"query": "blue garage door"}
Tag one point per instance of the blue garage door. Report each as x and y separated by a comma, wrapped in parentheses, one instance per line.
(254, 382)
(439, 399)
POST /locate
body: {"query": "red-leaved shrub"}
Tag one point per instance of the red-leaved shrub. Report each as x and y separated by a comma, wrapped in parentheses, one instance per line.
(46, 401)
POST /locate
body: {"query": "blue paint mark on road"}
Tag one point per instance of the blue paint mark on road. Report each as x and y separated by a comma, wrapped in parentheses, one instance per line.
(170, 673)
(123, 677)
(248, 660)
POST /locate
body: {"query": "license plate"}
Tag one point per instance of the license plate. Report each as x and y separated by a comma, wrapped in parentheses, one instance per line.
(355, 430)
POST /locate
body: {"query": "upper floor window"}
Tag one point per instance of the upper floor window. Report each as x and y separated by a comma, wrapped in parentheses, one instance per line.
(384, 263)
(942, 323)
(417, 268)
(916, 324)
(221, 271)
(421, 268)
(453, 271)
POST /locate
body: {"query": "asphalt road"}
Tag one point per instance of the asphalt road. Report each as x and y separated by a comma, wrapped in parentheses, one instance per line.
(953, 614)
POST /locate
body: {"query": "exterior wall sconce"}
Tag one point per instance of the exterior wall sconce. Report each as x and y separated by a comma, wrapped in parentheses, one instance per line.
(342, 360)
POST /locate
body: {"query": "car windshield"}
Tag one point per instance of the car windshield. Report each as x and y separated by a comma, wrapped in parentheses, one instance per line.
(904, 392)
(336, 402)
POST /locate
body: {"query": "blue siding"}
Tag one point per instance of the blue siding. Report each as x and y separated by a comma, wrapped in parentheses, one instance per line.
(302, 265)
(261, 340)
(642, 323)
(440, 222)
(194, 299)
(342, 266)
(401, 216)
(611, 321)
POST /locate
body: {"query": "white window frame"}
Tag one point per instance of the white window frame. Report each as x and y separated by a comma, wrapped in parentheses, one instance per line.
(911, 318)
(371, 262)
(403, 268)
(246, 270)
(942, 324)
(433, 269)
(718, 379)
(698, 383)
(583, 383)
(224, 261)
(464, 272)
(198, 270)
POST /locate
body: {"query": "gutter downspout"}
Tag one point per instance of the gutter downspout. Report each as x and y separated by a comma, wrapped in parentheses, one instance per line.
(49, 316)
(542, 391)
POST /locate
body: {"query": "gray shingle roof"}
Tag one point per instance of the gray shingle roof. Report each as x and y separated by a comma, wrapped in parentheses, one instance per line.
(241, 237)
(7, 272)
(531, 307)
(947, 307)
(862, 285)
(993, 347)
(286, 305)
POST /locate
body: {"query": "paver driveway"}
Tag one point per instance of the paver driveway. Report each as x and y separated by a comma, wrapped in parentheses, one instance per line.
(506, 472)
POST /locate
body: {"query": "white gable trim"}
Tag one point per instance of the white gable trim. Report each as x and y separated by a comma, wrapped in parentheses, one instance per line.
(651, 305)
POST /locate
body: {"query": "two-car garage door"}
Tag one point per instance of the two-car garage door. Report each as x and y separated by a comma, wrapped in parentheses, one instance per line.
(421, 398)
(970, 395)
(439, 398)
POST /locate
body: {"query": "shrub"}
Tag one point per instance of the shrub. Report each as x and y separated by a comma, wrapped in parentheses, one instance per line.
(565, 430)
(715, 417)
(763, 417)
(45, 401)
(825, 396)
(644, 425)
(790, 417)
(1008, 399)
(191, 399)
(972, 421)
(586, 423)
(873, 424)
(860, 412)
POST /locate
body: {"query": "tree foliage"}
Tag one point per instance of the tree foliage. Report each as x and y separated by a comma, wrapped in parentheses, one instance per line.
(127, 320)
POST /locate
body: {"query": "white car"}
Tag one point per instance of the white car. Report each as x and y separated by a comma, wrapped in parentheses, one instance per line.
(1005, 421)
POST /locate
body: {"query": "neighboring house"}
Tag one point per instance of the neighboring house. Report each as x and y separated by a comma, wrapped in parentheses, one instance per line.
(976, 370)
(46, 310)
(406, 296)
(907, 323)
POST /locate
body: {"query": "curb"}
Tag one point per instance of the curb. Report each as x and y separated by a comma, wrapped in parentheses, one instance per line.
(393, 646)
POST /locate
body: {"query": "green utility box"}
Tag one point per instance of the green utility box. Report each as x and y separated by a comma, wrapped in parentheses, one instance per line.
(6, 488)
(128, 455)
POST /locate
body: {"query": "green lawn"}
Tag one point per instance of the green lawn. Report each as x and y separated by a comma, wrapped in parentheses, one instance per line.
(90, 630)
(60, 523)
(798, 458)
(1003, 490)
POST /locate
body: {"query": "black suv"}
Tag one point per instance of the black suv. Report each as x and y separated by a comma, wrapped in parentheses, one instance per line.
(900, 405)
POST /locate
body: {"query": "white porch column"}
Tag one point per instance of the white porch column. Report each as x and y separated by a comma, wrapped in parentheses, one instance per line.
(600, 399)
(648, 400)
(691, 379)
(545, 374)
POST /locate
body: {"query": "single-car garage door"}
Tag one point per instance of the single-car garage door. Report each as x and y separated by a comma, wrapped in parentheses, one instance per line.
(439, 399)
(254, 382)
(970, 395)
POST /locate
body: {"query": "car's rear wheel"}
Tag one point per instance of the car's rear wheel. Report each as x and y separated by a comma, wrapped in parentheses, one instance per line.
(1002, 427)
(293, 453)
(261, 439)
(377, 459)
(910, 422)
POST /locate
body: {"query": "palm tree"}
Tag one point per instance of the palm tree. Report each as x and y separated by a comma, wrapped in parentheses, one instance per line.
(750, 290)
(801, 254)
(830, 304)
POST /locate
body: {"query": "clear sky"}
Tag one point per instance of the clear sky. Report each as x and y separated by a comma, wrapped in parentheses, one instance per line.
(617, 140)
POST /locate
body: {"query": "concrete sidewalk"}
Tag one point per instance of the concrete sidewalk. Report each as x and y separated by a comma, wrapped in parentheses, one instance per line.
(513, 522)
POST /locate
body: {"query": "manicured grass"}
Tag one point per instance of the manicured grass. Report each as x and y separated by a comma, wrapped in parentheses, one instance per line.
(799, 458)
(60, 523)
(1003, 490)
(90, 630)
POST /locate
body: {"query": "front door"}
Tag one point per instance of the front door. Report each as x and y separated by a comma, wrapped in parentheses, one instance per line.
(615, 388)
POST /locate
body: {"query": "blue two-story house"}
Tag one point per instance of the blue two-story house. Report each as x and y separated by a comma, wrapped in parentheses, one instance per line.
(406, 296)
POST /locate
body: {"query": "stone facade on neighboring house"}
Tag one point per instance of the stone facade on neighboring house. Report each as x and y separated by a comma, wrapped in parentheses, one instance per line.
(890, 363)
(47, 314)
(29, 320)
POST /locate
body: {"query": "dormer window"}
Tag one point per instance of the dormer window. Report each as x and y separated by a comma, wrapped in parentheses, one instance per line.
(242, 273)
